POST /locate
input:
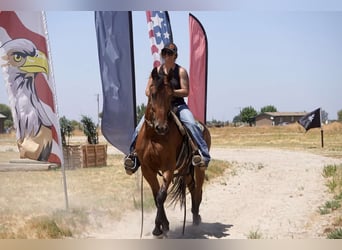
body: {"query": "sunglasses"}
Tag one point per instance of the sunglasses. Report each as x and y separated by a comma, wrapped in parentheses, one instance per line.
(167, 52)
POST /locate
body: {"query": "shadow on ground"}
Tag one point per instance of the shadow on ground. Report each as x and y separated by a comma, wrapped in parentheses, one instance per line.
(202, 231)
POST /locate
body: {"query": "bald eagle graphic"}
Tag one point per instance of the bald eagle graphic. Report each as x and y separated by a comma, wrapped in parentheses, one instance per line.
(22, 62)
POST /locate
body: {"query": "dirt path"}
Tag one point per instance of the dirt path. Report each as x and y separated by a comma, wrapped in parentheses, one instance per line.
(273, 192)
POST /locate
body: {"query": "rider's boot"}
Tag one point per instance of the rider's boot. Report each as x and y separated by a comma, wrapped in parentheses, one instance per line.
(131, 163)
(198, 161)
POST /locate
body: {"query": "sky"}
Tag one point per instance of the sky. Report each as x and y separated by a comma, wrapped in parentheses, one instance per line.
(289, 59)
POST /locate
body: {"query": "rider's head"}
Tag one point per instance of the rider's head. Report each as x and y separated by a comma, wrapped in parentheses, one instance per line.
(169, 49)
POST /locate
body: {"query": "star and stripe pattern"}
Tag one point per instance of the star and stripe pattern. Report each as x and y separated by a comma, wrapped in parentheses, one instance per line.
(159, 32)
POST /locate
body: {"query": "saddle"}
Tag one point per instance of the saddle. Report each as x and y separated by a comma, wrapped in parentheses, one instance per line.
(189, 147)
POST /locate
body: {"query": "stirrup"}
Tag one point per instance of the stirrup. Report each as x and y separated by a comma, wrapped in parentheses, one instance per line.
(197, 161)
(131, 163)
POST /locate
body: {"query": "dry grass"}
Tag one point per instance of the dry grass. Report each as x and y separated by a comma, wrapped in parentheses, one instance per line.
(32, 204)
(36, 200)
(288, 137)
(333, 175)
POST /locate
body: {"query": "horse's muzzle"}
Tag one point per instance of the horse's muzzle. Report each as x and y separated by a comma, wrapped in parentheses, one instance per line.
(161, 129)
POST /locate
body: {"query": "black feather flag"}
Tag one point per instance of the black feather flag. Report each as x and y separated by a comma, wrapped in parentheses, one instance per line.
(115, 47)
(311, 120)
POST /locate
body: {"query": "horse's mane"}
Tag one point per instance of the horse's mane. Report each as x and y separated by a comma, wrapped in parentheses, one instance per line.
(159, 77)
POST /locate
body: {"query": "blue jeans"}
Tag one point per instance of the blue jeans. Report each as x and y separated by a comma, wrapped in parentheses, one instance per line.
(189, 122)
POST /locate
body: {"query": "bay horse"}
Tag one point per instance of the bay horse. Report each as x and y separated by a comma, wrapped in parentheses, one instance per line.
(159, 149)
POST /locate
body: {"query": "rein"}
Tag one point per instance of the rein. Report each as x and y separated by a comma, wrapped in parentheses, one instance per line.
(150, 123)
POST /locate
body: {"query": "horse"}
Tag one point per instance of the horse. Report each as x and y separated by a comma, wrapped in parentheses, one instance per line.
(159, 149)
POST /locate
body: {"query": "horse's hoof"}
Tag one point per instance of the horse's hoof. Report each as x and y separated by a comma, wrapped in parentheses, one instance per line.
(196, 220)
(162, 236)
(157, 233)
(165, 227)
(129, 172)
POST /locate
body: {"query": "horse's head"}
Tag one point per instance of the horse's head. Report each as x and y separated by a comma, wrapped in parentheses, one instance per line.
(161, 93)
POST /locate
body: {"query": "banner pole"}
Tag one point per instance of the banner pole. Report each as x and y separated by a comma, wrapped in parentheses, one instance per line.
(322, 141)
(322, 136)
(57, 113)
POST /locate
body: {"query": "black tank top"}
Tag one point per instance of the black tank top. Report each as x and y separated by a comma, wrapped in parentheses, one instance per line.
(175, 82)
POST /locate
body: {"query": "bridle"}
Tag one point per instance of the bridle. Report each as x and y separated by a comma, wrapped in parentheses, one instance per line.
(150, 119)
(150, 122)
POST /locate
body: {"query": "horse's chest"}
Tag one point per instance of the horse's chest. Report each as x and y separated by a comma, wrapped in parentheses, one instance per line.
(158, 152)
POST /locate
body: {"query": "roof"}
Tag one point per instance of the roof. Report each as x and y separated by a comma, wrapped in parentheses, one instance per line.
(285, 113)
(2, 116)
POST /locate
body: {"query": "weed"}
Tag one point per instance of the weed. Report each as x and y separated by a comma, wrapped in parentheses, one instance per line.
(336, 234)
(333, 205)
(46, 227)
(253, 235)
(329, 206)
(329, 171)
(338, 196)
(216, 168)
(333, 173)
(323, 210)
(331, 184)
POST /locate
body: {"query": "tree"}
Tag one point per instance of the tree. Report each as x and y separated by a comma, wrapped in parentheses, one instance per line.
(268, 108)
(339, 115)
(66, 129)
(89, 129)
(6, 111)
(248, 115)
(237, 118)
(75, 124)
(8, 124)
(324, 115)
(140, 111)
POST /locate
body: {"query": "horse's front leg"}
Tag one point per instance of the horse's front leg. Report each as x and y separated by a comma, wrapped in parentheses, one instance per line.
(196, 195)
(161, 222)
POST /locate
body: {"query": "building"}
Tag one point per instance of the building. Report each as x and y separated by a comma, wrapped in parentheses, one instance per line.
(2, 123)
(277, 118)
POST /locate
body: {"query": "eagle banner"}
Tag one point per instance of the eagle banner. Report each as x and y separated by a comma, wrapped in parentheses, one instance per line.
(159, 33)
(197, 98)
(311, 120)
(116, 59)
(26, 66)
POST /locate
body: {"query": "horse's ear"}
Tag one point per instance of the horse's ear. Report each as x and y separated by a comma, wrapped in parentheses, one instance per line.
(154, 73)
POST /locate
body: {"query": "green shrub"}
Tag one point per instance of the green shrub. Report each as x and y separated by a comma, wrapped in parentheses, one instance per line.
(336, 234)
(89, 129)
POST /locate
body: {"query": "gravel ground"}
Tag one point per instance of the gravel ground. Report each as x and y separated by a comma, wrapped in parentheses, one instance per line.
(274, 193)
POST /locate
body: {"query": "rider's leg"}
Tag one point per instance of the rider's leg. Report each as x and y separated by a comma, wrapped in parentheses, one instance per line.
(131, 160)
(188, 120)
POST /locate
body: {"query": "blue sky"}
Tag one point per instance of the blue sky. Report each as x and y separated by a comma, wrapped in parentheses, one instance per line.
(289, 59)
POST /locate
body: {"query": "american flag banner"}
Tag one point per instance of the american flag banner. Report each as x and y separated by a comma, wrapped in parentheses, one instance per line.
(159, 32)
(197, 99)
(24, 58)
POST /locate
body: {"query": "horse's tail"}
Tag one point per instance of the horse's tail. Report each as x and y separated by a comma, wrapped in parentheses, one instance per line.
(178, 190)
(184, 168)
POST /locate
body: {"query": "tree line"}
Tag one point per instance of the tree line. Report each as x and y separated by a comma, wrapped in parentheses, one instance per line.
(246, 115)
